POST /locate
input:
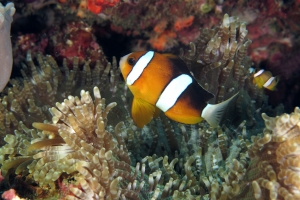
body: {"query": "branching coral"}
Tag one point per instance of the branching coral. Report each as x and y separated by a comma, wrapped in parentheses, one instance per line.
(6, 19)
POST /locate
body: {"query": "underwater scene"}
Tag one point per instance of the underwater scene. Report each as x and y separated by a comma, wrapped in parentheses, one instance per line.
(149, 99)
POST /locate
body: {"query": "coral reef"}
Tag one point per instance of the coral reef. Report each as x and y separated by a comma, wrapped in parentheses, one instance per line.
(28, 42)
(174, 22)
(79, 149)
(96, 6)
(75, 39)
(60, 138)
(168, 25)
(285, 63)
(178, 20)
(6, 14)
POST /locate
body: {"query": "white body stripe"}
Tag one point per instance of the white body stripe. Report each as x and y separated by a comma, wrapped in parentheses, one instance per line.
(268, 83)
(139, 67)
(259, 73)
(173, 90)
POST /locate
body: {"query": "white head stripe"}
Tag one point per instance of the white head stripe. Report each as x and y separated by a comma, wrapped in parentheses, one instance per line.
(259, 73)
(173, 90)
(268, 83)
(139, 67)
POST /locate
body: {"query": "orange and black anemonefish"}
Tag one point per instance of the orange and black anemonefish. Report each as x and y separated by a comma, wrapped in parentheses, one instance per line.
(264, 79)
(163, 82)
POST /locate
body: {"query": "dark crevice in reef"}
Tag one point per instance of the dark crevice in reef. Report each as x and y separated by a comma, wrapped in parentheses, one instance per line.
(115, 44)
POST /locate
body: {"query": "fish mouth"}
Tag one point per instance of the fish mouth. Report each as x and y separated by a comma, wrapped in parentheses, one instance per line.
(122, 61)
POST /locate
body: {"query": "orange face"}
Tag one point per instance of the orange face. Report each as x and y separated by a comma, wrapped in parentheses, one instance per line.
(151, 82)
(128, 61)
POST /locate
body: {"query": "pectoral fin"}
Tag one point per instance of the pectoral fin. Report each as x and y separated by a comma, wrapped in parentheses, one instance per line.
(142, 112)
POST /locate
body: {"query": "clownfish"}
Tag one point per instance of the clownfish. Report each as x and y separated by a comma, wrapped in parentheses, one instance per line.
(264, 79)
(164, 82)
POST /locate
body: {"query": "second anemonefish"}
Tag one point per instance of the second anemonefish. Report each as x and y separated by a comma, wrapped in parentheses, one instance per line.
(163, 82)
(264, 79)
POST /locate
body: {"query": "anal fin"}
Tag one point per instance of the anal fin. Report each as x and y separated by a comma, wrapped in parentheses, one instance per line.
(213, 113)
(142, 112)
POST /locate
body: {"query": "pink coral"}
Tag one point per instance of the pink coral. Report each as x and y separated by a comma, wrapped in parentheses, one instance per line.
(10, 195)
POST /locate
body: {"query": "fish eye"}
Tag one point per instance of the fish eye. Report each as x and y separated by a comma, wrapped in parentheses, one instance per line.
(131, 61)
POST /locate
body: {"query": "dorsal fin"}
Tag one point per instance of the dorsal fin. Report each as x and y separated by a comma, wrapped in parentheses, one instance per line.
(213, 113)
(169, 55)
(196, 88)
(178, 65)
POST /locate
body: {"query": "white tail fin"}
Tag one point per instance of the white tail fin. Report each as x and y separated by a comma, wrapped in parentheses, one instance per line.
(213, 113)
